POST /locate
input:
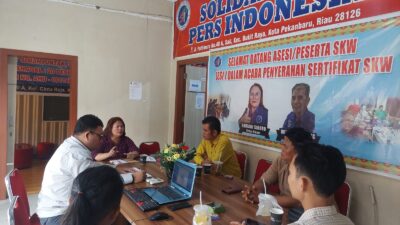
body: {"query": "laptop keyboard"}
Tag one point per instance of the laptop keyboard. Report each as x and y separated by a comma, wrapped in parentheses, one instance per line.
(141, 199)
(170, 193)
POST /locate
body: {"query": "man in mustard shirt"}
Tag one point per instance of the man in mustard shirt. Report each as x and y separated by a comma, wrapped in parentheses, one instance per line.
(216, 146)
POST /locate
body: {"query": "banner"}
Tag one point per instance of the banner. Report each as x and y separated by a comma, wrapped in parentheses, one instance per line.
(43, 75)
(341, 84)
(203, 25)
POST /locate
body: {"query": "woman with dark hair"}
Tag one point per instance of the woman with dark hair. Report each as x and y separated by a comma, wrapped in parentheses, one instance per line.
(95, 197)
(255, 113)
(278, 173)
(115, 144)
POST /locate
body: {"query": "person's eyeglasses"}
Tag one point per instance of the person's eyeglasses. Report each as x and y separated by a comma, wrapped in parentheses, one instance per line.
(98, 135)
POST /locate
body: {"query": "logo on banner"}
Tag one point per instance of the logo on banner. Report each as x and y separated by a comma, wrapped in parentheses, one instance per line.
(259, 119)
(183, 15)
(217, 61)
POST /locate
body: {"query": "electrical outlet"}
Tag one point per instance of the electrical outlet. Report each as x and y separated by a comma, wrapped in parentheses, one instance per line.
(372, 195)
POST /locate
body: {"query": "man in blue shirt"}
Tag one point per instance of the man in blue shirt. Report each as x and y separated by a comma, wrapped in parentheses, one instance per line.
(300, 116)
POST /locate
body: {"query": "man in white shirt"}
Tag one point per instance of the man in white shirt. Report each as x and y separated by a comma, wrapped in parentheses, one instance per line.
(71, 158)
(315, 174)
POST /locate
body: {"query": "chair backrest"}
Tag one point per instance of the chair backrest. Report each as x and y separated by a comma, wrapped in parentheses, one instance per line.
(17, 215)
(263, 166)
(16, 187)
(242, 159)
(150, 147)
(343, 198)
(10, 212)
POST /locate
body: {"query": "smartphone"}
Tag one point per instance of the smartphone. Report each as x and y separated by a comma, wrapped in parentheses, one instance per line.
(249, 221)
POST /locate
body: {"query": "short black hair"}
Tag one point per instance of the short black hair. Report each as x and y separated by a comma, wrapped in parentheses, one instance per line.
(298, 136)
(302, 85)
(87, 122)
(323, 164)
(213, 123)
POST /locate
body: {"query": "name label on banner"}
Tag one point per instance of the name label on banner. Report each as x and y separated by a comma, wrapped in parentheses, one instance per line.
(254, 129)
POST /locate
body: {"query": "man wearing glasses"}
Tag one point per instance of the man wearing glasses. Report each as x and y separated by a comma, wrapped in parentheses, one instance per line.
(72, 157)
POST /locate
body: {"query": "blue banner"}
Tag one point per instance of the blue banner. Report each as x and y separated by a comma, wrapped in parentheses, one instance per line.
(342, 84)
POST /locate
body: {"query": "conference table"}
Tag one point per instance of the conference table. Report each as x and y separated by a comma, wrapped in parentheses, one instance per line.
(236, 209)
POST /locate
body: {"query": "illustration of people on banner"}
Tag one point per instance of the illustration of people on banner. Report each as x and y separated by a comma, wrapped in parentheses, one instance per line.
(372, 121)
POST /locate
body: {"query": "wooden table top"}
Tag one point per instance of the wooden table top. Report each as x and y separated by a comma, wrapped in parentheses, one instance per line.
(236, 209)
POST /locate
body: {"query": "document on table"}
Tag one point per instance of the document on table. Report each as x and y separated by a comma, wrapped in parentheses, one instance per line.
(118, 161)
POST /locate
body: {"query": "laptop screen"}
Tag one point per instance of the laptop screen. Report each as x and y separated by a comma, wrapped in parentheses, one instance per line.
(183, 175)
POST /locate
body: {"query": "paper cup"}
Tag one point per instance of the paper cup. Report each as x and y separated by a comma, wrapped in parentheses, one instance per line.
(198, 170)
(207, 168)
(276, 216)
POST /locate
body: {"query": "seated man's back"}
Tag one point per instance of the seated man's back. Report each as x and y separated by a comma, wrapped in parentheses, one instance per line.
(327, 215)
(67, 162)
(315, 174)
(71, 158)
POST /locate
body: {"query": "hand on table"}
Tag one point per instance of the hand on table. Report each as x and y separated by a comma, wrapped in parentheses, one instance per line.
(132, 155)
(139, 175)
(250, 194)
(206, 160)
(124, 168)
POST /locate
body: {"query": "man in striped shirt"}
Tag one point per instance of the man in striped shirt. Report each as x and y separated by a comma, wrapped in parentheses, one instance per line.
(315, 174)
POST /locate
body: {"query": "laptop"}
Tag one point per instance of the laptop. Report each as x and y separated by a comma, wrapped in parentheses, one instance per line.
(180, 188)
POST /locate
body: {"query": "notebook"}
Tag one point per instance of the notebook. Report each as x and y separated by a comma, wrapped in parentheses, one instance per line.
(180, 188)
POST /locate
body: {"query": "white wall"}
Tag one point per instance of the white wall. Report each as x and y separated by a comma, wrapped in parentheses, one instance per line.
(112, 50)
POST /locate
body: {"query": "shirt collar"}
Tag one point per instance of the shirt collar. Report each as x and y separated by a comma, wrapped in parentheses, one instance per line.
(76, 140)
(215, 141)
(318, 212)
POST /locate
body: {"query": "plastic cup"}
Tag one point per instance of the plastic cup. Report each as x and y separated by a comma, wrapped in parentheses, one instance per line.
(276, 216)
(202, 215)
(207, 168)
(218, 167)
(198, 170)
(264, 205)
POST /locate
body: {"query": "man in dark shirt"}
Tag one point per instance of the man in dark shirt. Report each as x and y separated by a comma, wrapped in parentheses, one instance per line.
(300, 116)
